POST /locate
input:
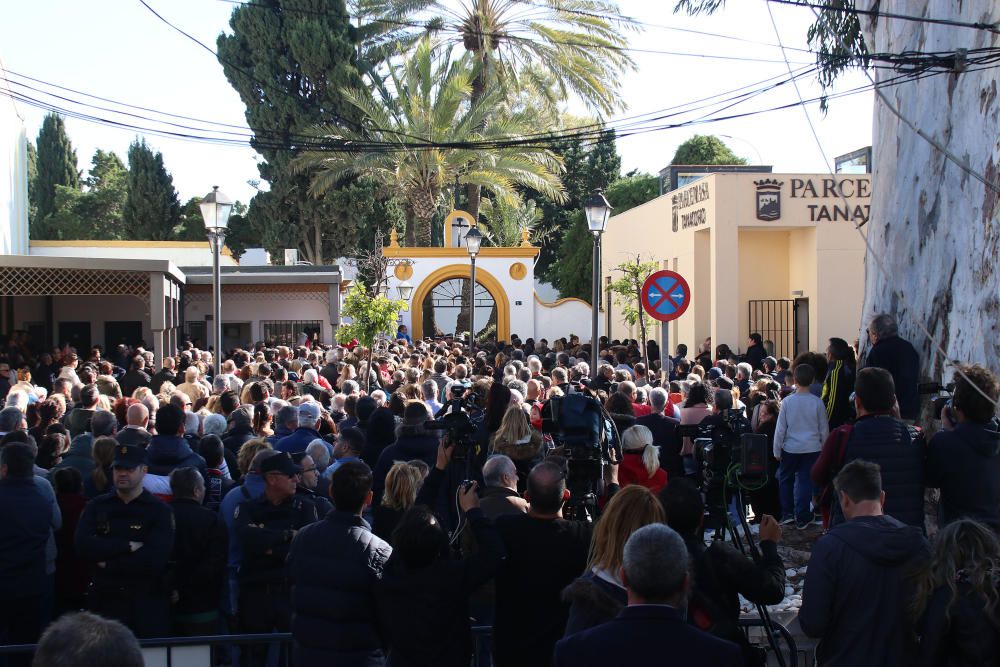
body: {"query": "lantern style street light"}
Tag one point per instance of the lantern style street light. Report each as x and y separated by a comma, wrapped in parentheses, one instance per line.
(215, 210)
(473, 241)
(597, 210)
(405, 290)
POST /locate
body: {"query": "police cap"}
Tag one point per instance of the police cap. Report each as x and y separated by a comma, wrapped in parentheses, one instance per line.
(129, 456)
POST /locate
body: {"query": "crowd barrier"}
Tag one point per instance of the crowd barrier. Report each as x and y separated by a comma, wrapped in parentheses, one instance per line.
(197, 651)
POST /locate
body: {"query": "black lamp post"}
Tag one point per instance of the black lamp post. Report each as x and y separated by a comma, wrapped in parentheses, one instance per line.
(215, 210)
(473, 240)
(598, 211)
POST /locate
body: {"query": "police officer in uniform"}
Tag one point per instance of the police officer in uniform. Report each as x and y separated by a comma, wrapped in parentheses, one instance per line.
(265, 527)
(128, 534)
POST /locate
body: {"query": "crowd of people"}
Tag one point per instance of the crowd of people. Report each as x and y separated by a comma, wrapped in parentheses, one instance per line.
(302, 490)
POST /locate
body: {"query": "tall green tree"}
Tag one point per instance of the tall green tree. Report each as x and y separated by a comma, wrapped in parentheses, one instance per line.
(560, 48)
(705, 149)
(94, 212)
(289, 61)
(152, 210)
(56, 165)
(587, 167)
(572, 272)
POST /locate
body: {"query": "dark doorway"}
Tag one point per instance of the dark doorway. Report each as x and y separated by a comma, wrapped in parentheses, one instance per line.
(77, 334)
(801, 326)
(121, 333)
(774, 320)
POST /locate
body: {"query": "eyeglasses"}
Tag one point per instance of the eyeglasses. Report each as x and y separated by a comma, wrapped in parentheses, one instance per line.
(313, 469)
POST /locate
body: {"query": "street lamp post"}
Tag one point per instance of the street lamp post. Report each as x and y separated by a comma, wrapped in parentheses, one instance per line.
(215, 210)
(473, 240)
(598, 211)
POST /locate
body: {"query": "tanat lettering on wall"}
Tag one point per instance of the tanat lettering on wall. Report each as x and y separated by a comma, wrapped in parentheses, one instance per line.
(768, 198)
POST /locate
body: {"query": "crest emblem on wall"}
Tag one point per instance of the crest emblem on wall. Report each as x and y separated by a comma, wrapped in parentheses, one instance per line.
(768, 199)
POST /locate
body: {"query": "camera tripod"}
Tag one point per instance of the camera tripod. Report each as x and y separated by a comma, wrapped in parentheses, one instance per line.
(720, 518)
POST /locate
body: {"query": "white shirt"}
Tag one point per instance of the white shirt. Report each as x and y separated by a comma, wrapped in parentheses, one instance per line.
(802, 425)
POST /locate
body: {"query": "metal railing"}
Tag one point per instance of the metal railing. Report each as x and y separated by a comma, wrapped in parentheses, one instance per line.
(284, 640)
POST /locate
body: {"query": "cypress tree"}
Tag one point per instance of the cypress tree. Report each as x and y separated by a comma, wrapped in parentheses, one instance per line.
(152, 210)
(289, 68)
(55, 165)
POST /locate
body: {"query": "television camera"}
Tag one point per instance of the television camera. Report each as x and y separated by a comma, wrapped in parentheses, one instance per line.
(583, 433)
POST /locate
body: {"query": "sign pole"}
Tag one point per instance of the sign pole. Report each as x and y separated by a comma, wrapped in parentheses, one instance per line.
(665, 353)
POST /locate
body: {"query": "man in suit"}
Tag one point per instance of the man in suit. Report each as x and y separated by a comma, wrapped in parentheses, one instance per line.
(651, 629)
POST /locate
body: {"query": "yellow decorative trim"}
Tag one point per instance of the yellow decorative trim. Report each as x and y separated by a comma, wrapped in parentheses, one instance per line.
(393, 238)
(410, 253)
(525, 243)
(558, 302)
(124, 244)
(403, 271)
(518, 271)
(483, 277)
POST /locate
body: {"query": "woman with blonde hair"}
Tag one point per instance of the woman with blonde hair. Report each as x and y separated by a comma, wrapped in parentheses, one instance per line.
(248, 450)
(641, 460)
(100, 479)
(598, 595)
(520, 442)
(402, 483)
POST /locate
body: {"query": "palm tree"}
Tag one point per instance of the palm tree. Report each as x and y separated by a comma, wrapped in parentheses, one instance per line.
(503, 221)
(419, 142)
(560, 48)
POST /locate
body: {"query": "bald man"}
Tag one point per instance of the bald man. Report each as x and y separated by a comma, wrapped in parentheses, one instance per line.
(134, 432)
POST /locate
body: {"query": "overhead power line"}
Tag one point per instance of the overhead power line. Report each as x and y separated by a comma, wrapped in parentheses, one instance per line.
(975, 25)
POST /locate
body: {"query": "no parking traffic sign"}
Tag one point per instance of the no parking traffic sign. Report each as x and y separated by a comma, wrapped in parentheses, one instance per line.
(665, 295)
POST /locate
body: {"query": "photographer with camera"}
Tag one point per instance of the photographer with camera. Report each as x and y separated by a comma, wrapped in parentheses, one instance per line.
(963, 459)
(721, 573)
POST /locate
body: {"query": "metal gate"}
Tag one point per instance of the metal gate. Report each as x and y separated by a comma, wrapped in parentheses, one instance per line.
(775, 320)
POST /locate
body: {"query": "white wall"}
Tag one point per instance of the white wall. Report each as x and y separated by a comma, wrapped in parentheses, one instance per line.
(13, 182)
(564, 318)
(254, 307)
(520, 293)
(180, 253)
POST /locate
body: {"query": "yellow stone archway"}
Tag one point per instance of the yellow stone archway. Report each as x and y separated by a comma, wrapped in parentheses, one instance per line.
(483, 277)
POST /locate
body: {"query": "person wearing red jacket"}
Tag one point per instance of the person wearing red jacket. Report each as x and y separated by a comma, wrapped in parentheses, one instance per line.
(641, 460)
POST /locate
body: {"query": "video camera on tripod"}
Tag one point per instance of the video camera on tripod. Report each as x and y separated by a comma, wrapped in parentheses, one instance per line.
(584, 435)
(455, 419)
(726, 445)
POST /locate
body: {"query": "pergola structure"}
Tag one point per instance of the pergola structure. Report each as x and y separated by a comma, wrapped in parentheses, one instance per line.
(157, 284)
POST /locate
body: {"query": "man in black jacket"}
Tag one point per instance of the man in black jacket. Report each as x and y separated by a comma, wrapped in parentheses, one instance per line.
(651, 629)
(755, 351)
(128, 534)
(664, 433)
(856, 595)
(199, 556)
(963, 459)
(897, 356)
(135, 377)
(879, 437)
(333, 567)
(721, 573)
(265, 528)
(24, 534)
(545, 553)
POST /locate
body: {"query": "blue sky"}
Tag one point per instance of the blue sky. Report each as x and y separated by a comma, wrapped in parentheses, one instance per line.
(119, 50)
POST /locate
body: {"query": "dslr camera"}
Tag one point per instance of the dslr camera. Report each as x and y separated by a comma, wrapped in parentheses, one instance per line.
(454, 420)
